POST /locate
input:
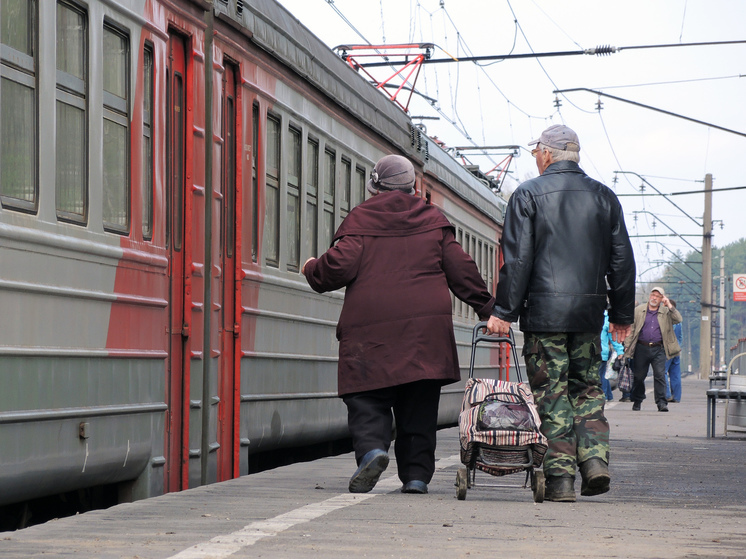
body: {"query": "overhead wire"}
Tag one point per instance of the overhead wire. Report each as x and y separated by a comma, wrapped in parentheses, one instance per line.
(671, 82)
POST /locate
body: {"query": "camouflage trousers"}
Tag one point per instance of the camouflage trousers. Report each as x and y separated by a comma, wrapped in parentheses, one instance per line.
(563, 373)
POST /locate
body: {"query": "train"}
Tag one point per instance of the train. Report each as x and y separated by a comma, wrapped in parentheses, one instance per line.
(166, 167)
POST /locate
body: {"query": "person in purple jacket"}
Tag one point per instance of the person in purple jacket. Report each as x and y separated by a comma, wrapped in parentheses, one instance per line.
(397, 257)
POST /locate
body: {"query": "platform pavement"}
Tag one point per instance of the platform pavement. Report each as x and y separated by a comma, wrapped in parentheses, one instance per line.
(675, 494)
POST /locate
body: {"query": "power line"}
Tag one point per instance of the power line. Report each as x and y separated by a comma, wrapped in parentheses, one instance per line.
(600, 93)
(641, 194)
(601, 50)
(672, 82)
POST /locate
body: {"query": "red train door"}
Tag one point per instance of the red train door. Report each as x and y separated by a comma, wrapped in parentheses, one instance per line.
(176, 438)
(228, 390)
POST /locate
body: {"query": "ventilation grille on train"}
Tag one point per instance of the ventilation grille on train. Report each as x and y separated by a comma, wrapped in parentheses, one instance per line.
(234, 9)
(419, 141)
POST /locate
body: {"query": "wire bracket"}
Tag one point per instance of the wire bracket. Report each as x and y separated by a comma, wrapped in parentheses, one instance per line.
(409, 56)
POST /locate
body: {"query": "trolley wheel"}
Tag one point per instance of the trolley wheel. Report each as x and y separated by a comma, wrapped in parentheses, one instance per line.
(462, 476)
(538, 485)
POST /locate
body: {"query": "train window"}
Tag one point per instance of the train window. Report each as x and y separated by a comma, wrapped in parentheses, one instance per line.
(18, 120)
(116, 191)
(458, 303)
(272, 193)
(229, 163)
(359, 185)
(491, 270)
(147, 143)
(71, 172)
(254, 183)
(346, 187)
(294, 165)
(481, 260)
(312, 195)
(330, 179)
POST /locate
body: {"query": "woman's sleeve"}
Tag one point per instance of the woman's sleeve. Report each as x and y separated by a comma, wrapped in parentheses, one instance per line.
(337, 267)
(463, 277)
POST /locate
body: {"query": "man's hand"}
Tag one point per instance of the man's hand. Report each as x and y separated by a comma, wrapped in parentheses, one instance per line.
(619, 331)
(666, 302)
(498, 326)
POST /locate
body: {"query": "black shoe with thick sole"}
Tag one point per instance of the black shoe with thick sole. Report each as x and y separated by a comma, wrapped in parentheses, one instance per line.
(415, 486)
(595, 475)
(636, 406)
(371, 467)
(560, 489)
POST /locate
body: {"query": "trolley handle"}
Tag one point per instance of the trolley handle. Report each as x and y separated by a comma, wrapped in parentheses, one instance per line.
(479, 336)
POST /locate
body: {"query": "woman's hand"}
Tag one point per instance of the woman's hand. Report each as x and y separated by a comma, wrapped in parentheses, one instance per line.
(303, 268)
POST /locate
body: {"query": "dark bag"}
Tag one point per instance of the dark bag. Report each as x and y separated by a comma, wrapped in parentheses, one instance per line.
(624, 384)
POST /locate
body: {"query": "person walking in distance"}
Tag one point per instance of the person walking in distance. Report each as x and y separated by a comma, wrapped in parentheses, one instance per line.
(673, 367)
(564, 241)
(397, 257)
(651, 342)
(606, 342)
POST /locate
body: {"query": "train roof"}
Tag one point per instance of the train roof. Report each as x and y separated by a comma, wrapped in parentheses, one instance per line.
(274, 29)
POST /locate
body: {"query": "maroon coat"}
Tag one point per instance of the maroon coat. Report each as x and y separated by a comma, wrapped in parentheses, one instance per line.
(397, 257)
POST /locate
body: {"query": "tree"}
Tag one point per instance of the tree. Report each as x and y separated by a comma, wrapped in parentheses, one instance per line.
(682, 279)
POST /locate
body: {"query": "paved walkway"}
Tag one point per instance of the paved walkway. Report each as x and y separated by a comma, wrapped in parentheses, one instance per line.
(675, 494)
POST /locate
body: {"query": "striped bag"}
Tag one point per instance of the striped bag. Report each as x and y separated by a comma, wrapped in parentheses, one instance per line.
(499, 426)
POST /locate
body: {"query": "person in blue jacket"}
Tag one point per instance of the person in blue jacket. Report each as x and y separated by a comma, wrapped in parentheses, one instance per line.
(606, 339)
(673, 368)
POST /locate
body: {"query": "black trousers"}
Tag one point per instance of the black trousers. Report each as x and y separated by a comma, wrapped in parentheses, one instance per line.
(415, 410)
(644, 357)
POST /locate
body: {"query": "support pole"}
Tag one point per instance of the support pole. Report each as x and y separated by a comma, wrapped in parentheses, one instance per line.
(722, 310)
(705, 330)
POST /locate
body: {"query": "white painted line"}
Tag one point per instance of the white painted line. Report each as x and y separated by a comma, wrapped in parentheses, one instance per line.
(228, 544)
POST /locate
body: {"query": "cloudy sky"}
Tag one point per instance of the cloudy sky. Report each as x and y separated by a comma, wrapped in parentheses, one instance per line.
(623, 145)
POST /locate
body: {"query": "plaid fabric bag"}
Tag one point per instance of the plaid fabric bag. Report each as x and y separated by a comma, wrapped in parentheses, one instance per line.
(624, 384)
(499, 424)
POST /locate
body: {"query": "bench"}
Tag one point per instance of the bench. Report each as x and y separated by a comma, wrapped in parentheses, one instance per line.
(718, 378)
(734, 395)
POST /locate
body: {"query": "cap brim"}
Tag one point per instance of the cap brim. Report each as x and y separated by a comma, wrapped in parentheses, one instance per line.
(534, 142)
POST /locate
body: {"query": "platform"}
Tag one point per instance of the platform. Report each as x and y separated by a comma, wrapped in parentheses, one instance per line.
(675, 493)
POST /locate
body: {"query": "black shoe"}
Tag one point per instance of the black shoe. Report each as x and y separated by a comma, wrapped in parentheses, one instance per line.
(624, 400)
(415, 486)
(560, 488)
(371, 467)
(595, 475)
(664, 407)
(636, 406)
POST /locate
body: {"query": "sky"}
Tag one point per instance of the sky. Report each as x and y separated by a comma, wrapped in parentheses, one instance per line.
(623, 145)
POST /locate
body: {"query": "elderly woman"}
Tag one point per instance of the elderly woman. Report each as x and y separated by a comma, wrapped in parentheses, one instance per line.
(398, 257)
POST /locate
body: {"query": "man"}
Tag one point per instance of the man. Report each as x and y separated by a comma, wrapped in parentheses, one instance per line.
(564, 239)
(652, 342)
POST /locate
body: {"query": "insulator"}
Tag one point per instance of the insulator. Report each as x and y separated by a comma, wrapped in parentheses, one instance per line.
(602, 50)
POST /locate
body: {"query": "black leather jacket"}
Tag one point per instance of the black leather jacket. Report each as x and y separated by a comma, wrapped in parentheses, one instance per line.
(564, 238)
